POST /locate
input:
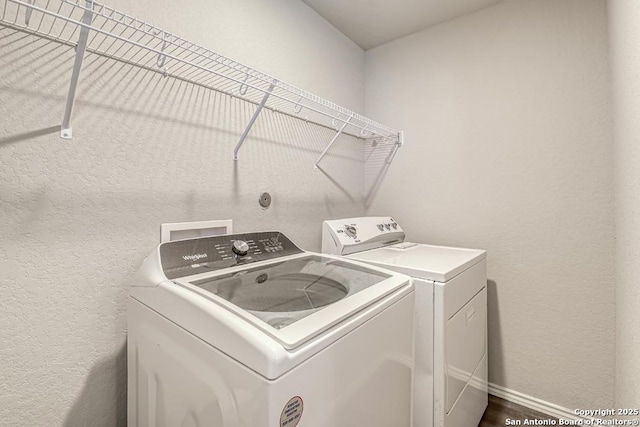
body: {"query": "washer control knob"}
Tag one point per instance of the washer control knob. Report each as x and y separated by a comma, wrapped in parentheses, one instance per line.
(394, 225)
(380, 227)
(387, 226)
(350, 230)
(240, 247)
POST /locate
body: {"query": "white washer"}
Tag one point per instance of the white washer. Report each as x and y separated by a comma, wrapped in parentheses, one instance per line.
(450, 384)
(247, 330)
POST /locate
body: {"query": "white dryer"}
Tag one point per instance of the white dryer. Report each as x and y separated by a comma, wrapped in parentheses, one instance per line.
(450, 384)
(247, 330)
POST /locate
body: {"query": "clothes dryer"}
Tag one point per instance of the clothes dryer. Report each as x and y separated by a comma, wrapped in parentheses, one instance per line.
(247, 330)
(450, 383)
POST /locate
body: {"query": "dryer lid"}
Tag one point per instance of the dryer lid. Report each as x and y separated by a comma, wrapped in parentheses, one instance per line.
(429, 262)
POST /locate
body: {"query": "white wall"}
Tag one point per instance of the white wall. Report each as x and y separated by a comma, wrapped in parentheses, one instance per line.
(508, 148)
(79, 216)
(624, 28)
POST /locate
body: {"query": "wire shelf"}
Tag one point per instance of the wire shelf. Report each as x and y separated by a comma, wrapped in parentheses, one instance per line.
(116, 35)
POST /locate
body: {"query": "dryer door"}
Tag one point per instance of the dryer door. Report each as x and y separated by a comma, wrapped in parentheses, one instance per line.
(465, 345)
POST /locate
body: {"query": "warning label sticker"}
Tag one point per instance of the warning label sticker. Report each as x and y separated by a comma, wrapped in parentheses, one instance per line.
(292, 412)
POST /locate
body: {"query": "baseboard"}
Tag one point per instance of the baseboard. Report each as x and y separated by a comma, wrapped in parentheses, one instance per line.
(533, 403)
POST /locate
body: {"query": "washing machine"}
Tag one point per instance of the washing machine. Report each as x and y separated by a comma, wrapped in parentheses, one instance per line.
(450, 384)
(248, 330)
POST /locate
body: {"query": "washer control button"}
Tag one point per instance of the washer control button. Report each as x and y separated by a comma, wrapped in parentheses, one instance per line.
(380, 227)
(240, 247)
(387, 226)
(350, 230)
(394, 225)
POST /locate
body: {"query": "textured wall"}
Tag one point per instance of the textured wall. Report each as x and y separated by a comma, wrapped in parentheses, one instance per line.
(624, 28)
(507, 122)
(79, 216)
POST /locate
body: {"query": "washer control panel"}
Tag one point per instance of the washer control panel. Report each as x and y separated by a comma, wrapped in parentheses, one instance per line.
(351, 231)
(350, 235)
(193, 256)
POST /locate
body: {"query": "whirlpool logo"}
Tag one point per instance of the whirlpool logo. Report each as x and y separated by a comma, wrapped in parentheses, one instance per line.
(194, 257)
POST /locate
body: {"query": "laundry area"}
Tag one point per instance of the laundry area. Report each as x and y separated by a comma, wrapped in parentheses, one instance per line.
(355, 213)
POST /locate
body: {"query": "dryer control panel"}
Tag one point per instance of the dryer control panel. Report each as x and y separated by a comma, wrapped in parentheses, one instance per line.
(351, 235)
(193, 256)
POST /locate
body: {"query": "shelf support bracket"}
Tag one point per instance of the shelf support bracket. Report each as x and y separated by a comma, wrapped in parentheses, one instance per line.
(335, 138)
(28, 12)
(81, 47)
(395, 148)
(253, 119)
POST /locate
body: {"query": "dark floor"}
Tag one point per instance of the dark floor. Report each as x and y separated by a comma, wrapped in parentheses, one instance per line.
(499, 410)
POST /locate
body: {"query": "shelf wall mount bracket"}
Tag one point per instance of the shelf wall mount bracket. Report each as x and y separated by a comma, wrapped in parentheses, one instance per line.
(264, 100)
(335, 138)
(396, 147)
(28, 12)
(81, 47)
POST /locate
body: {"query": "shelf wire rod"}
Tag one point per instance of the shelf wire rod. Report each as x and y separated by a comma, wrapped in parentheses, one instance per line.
(175, 50)
(42, 17)
(184, 72)
(197, 73)
(335, 138)
(80, 49)
(115, 25)
(243, 71)
(132, 47)
(144, 56)
(253, 119)
(212, 79)
(53, 21)
(134, 31)
(217, 80)
(225, 62)
(204, 63)
(97, 36)
(188, 58)
(285, 106)
(110, 16)
(64, 27)
(117, 45)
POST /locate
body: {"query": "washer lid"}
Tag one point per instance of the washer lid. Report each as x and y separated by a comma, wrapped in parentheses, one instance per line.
(298, 297)
(437, 263)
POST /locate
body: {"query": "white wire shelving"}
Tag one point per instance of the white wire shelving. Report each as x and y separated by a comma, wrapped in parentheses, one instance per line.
(93, 27)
